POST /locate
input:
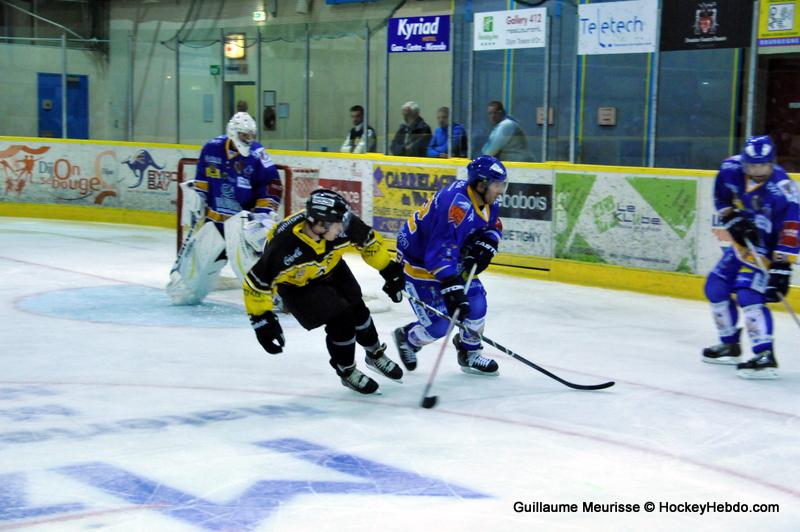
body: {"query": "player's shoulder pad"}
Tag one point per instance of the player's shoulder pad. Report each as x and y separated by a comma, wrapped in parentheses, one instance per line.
(731, 164)
(786, 186)
(358, 232)
(286, 225)
(261, 154)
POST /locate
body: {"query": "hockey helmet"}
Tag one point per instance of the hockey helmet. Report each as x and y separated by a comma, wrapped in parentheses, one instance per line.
(242, 132)
(485, 169)
(325, 205)
(758, 150)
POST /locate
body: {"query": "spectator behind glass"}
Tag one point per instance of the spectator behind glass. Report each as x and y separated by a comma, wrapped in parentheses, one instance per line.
(438, 145)
(507, 141)
(414, 135)
(355, 141)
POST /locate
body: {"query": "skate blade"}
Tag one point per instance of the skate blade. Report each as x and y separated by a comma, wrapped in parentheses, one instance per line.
(379, 372)
(473, 371)
(758, 374)
(723, 361)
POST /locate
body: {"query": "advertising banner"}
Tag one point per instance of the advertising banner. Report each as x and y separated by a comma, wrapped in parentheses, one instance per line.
(779, 23)
(617, 27)
(699, 25)
(645, 222)
(503, 30)
(399, 190)
(419, 34)
(526, 210)
(116, 175)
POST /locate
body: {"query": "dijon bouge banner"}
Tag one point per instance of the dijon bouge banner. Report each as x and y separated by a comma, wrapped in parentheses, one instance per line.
(116, 175)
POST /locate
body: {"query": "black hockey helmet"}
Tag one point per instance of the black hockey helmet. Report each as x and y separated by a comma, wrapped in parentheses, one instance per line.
(325, 205)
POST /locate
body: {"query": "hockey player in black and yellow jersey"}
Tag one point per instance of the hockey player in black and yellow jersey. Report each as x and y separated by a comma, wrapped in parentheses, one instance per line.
(303, 261)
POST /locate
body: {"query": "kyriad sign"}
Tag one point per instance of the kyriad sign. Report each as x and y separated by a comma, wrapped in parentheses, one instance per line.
(419, 34)
(617, 27)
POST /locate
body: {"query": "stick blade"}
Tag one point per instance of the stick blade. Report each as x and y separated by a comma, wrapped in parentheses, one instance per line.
(429, 402)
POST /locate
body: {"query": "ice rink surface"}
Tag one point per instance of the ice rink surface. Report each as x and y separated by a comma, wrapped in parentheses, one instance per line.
(120, 412)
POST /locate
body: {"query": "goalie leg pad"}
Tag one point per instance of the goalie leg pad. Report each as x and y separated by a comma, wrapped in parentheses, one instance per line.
(198, 265)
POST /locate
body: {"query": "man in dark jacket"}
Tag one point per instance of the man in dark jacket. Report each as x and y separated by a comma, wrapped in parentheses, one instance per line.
(414, 135)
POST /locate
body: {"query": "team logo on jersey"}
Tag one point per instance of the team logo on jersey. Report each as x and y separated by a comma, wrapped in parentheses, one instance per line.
(459, 209)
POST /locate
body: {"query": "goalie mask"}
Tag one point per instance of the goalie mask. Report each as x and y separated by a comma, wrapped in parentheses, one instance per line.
(242, 132)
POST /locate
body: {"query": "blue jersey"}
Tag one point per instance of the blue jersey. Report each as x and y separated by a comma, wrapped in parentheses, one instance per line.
(772, 205)
(231, 183)
(431, 240)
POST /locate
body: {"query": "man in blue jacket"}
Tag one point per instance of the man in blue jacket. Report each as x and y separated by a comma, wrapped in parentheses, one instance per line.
(438, 145)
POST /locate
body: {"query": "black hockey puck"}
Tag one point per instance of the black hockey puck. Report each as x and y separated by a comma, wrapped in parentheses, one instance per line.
(429, 402)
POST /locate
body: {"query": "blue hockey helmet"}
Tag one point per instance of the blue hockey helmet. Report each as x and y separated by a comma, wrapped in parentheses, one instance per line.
(758, 150)
(485, 169)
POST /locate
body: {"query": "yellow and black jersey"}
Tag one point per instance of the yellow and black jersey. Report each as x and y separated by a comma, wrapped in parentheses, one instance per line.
(292, 257)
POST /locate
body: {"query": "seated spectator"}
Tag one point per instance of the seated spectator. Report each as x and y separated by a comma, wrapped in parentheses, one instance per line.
(438, 145)
(414, 135)
(355, 141)
(507, 141)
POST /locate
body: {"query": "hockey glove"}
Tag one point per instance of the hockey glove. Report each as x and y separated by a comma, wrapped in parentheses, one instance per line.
(480, 252)
(454, 297)
(269, 332)
(395, 281)
(740, 228)
(779, 275)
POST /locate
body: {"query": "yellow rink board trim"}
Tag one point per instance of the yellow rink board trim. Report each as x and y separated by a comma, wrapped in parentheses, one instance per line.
(89, 213)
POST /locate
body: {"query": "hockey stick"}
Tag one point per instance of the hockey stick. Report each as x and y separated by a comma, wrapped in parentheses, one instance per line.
(764, 269)
(512, 354)
(429, 401)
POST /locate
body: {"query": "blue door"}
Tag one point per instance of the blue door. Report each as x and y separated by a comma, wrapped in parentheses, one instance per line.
(49, 99)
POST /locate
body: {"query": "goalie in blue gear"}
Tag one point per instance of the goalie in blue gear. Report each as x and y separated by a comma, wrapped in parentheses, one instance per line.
(758, 205)
(229, 206)
(438, 245)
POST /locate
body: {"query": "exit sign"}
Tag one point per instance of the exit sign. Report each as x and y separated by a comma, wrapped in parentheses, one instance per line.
(213, 70)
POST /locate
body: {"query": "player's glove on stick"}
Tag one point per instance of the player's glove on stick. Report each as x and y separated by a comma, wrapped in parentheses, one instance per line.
(395, 281)
(740, 228)
(453, 294)
(481, 252)
(780, 274)
(269, 332)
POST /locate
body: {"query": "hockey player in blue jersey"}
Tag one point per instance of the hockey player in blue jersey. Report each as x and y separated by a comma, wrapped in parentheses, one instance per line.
(438, 245)
(758, 205)
(230, 206)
